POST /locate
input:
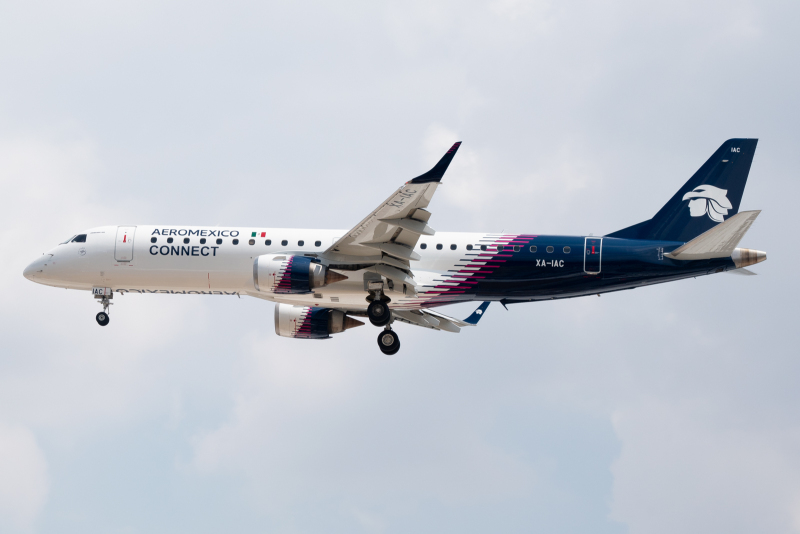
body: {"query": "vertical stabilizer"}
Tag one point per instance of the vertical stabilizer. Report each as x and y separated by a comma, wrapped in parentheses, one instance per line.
(712, 195)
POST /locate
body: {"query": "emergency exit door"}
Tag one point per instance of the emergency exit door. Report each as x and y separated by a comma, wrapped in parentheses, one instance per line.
(123, 251)
(592, 254)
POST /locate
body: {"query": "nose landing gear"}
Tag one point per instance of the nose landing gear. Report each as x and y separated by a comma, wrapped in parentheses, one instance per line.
(102, 318)
(104, 296)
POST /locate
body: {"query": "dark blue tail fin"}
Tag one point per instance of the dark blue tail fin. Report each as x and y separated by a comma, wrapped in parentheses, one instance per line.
(709, 197)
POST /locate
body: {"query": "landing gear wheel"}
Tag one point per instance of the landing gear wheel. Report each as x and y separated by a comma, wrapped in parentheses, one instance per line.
(388, 342)
(102, 318)
(379, 313)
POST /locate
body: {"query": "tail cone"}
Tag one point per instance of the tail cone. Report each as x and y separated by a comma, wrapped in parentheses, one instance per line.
(742, 257)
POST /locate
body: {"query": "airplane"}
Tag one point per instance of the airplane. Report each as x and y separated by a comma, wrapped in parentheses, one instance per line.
(393, 267)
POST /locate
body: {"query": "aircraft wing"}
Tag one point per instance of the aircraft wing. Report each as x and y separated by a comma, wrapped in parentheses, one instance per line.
(388, 235)
(438, 321)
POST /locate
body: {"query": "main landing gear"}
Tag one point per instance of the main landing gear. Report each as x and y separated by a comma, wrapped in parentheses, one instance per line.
(388, 341)
(102, 317)
(380, 315)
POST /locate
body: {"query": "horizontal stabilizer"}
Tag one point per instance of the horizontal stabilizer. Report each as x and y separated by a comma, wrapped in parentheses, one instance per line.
(719, 242)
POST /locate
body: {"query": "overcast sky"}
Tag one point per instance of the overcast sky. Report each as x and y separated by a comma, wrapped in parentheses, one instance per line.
(666, 409)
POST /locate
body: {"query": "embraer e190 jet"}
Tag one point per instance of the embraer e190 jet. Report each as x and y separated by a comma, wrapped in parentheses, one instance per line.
(392, 266)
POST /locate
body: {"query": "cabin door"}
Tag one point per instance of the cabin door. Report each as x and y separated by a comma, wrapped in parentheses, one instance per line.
(592, 254)
(123, 251)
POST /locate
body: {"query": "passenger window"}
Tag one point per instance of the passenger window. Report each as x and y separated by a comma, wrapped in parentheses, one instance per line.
(550, 249)
(202, 240)
(567, 250)
(169, 240)
(317, 243)
(80, 239)
(252, 241)
(219, 241)
(185, 240)
(268, 242)
(423, 246)
(516, 248)
(153, 239)
(499, 248)
(301, 243)
(452, 247)
(483, 247)
(469, 247)
(439, 246)
(235, 241)
(284, 243)
(533, 248)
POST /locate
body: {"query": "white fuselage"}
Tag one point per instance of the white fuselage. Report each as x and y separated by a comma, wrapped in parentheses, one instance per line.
(205, 266)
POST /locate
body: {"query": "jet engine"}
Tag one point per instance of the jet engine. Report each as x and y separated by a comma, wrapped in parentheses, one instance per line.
(311, 323)
(288, 274)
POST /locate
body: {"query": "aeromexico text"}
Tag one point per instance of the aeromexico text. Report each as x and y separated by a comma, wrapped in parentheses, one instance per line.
(173, 250)
(199, 233)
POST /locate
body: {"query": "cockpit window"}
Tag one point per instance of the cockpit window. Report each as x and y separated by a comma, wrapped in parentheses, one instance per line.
(80, 239)
(68, 240)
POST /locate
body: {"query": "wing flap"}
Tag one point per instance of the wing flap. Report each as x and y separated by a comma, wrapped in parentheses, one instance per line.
(392, 249)
(412, 225)
(398, 276)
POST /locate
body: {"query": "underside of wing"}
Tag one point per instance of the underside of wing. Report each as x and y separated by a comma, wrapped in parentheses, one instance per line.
(439, 321)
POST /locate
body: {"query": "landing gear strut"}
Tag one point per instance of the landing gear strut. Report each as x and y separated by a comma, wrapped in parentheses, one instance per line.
(388, 342)
(102, 317)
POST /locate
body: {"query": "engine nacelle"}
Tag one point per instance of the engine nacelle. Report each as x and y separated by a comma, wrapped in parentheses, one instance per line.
(288, 274)
(310, 323)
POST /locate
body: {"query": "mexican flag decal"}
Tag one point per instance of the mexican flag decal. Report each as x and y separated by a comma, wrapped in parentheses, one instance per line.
(255, 234)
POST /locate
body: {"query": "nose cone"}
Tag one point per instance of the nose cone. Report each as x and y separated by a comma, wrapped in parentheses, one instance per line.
(29, 271)
(35, 271)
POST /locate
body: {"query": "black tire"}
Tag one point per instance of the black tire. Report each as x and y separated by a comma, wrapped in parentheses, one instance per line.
(379, 313)
(102, 318)
(388, 342)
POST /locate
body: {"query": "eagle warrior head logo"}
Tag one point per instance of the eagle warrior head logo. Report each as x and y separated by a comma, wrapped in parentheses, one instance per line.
(708, 200)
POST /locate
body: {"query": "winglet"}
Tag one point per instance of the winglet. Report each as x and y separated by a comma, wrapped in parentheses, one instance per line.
(477, 314)
(436, 173)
